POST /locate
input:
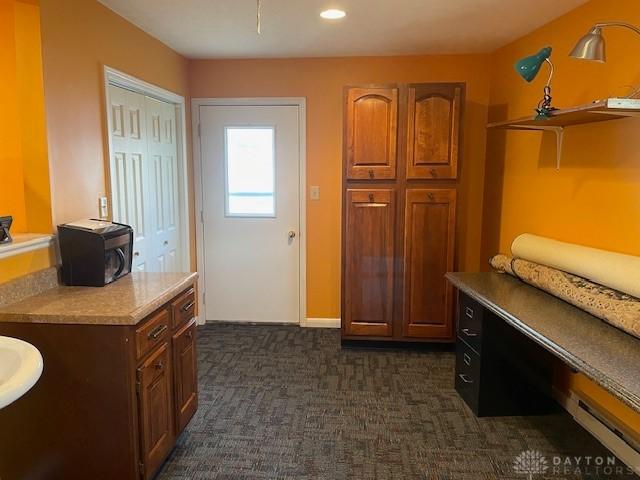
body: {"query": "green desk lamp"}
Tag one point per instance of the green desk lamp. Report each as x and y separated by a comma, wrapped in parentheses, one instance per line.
(528, 68)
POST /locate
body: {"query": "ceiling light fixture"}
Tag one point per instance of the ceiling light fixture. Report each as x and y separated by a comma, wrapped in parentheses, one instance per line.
(333, 14)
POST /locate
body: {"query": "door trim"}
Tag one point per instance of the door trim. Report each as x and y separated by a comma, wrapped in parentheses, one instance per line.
(120, 79)
(301, 103)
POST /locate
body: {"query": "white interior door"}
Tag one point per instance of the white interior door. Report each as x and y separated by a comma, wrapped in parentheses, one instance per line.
(129, 178)
(163, 180)
(144, 178)
(251, 202)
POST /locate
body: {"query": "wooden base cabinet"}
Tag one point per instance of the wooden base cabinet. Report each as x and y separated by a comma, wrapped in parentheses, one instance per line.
(400, 168)
(111, 401)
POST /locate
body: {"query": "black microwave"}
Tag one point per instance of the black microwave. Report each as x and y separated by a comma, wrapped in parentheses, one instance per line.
(95, 252)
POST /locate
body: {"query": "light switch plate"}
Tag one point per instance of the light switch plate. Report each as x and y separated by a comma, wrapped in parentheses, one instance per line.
(314, 192)
(103, 208)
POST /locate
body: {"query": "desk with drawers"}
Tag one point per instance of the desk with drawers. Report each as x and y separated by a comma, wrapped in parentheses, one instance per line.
(508, 335)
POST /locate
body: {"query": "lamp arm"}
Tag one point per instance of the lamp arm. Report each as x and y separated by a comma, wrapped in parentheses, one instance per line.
(551, 73)
(618, 24)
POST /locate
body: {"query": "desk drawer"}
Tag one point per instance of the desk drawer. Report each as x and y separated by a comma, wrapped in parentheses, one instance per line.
(152, 332)
(470, 321)
(468, 375)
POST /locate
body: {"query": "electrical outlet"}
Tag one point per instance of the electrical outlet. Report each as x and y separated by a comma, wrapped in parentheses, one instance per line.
(103, 208)
(314, 192)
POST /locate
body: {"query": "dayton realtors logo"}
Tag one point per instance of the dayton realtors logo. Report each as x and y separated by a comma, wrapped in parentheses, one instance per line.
(532, 462)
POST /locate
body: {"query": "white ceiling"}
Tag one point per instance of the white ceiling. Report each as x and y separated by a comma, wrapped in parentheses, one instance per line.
(293, 28)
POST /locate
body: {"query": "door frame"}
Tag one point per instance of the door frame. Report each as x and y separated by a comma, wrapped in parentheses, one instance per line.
(301, 103)
(113, 77)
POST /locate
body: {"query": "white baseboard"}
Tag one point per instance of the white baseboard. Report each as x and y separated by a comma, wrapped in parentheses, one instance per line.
(320, 323)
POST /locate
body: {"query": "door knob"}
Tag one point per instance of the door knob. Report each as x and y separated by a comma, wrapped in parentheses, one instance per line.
(292, 234)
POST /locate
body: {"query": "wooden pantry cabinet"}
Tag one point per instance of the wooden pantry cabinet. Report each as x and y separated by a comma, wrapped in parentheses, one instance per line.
(112, 399)
(401, 152)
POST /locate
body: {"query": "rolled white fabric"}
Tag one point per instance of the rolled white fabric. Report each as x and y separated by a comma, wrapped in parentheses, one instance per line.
(614, 270)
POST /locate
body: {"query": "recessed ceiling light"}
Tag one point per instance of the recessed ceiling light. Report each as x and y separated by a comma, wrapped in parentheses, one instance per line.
(333, 14)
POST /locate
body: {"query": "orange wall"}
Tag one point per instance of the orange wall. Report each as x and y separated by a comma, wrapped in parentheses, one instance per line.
(79, 37)
(321, 80)
(23, 156)
(25, 192)
(594, 199)
(12, 193)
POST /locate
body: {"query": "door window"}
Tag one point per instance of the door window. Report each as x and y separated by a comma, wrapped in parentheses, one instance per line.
(250, 171)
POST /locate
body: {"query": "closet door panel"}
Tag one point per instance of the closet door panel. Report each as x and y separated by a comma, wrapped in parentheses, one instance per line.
(368, 284)
(433, 130)
(429, 254)
(371, 136)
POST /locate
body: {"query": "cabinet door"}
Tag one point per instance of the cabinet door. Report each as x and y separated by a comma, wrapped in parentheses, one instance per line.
(155, 409)
(371, 133)
(433, 130)
(428, 250)
(185, 375)
(368, 262)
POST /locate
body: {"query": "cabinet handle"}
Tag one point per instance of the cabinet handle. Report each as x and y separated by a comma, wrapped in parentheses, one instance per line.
(464, 378)
(467, 359)
(468, 312)
(433, 172)
(371, 174)
(468, 333)
(187, 306)
(159, 330)
(190, 335)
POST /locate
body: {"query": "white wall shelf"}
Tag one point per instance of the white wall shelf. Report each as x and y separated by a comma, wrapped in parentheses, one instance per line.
(24, 243)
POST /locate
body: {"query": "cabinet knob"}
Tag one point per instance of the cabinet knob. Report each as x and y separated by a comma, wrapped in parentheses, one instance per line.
(165, 243)
(433, 172)
(371, 197)
(136, 254)
(371, 173)
(159, 366)
(430, 196)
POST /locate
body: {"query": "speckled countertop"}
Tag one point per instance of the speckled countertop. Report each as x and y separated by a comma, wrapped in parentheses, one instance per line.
(124, 302)
(608, 356)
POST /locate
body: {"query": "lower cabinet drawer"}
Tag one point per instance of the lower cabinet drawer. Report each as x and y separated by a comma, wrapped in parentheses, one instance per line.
(467, 381)
(152, 332)
(184, 307)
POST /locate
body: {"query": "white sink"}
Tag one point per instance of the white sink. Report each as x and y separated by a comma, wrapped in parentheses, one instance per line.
(20, 369)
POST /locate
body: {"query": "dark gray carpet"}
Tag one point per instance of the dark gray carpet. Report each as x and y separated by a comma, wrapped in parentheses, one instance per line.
(289, 403)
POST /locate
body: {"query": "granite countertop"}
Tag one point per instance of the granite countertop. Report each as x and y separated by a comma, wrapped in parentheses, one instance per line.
(124, 302)
(608, 356)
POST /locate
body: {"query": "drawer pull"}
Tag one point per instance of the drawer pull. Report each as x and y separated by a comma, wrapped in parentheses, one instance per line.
(467, 359)
(159, 330)
(468, 333)
(464, 378)
(187, 306)
(468, 312)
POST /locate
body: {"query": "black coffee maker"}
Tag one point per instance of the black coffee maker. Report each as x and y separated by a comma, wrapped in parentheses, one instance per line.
(5, 226)
(95, 252)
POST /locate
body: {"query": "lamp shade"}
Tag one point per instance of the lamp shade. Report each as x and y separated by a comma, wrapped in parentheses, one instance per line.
(528, 67)
(590, 47)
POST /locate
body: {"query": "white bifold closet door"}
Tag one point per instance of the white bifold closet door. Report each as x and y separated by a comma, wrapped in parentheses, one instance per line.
(144, 170)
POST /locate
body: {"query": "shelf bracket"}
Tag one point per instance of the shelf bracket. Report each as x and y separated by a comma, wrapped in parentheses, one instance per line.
(559, 131)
